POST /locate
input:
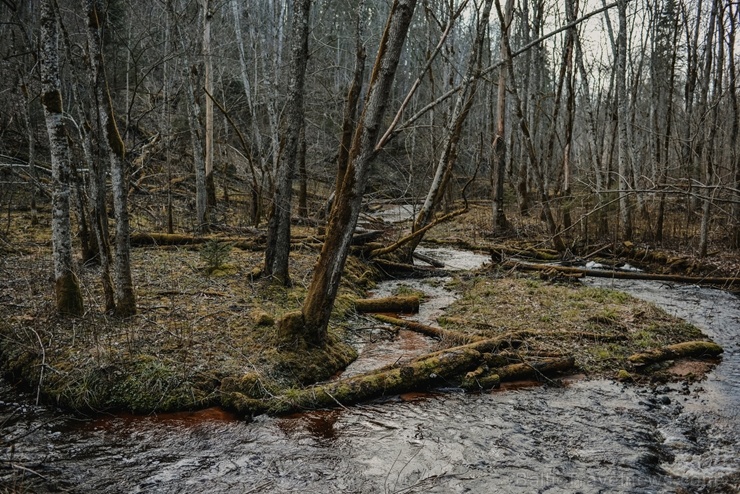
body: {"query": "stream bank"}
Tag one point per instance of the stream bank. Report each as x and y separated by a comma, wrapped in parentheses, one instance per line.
(583, 436)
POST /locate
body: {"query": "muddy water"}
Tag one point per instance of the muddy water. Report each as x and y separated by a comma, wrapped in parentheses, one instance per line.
(588, 436)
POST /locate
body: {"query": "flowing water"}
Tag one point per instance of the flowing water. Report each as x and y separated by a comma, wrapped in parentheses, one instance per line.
(588, 436)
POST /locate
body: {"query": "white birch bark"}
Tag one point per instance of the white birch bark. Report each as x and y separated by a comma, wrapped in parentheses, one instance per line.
(67, 289)
(113, 146)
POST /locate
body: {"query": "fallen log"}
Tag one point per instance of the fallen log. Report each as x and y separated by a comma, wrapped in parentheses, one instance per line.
(526, 370)
(696, 349)
(407, 269)
(418, 375)
(429, 260)
(485, 378)
(407, 304)
(723, 282)
(442, 334)
(441, 367)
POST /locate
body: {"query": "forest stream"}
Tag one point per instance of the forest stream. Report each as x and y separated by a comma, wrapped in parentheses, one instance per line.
(588, 436)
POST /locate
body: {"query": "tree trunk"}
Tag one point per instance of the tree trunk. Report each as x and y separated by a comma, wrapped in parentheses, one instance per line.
(500, 224)
(278, 229)
(113, 146)
(96, 187)
(208, 76)
(734, 18)
(313, 320)
(706, 144)
(528, 142)
(66, 285)
(196, 141)
(625, 212)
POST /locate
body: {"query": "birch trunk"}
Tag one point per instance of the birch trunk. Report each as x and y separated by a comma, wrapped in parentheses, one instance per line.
(66, 285)
(113, 146)
(278, 230)
(313, 320)
(625, 213)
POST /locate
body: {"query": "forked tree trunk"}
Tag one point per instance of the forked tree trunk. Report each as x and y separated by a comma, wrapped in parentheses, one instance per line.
(96, 187)
(278, 229)
(66, 285)
(113, 146)
(313, 320)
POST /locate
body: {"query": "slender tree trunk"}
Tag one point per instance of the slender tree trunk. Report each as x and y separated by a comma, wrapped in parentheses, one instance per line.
(66, 285)
(196, 140)
(278, 230)
(733, 13)
(625, 212)
(113, 146)
(707, 148)
(500, 223)
(208, 80)
(256, 134)
(313, 320)
(593, 149)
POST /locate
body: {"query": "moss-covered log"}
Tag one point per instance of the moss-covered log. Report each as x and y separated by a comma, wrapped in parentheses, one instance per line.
(405, 304)
(442, 334)
(687, 349)
(417, 375)
(441, 367)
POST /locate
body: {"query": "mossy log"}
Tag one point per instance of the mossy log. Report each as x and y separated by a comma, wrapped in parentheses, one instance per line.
(545, 367)
(723, 282)
(425, 372)
(418, 375)
(405, 304)
(442, 334)
(487, 378)
(696, 349)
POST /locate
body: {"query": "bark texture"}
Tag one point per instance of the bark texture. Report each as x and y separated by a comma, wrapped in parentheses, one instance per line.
(322, 291)
(67, 289)
(278, 229)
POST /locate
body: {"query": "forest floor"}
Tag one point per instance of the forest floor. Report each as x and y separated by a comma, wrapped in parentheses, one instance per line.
(204, 334)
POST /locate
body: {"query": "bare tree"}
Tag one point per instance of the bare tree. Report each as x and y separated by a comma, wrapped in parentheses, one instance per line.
(498, 146)
(113, 146)
(312, 322)
(66, 284)
(625, 212)
(278, 230)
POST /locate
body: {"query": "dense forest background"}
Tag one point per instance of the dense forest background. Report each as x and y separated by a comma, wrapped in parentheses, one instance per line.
(601, 120)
